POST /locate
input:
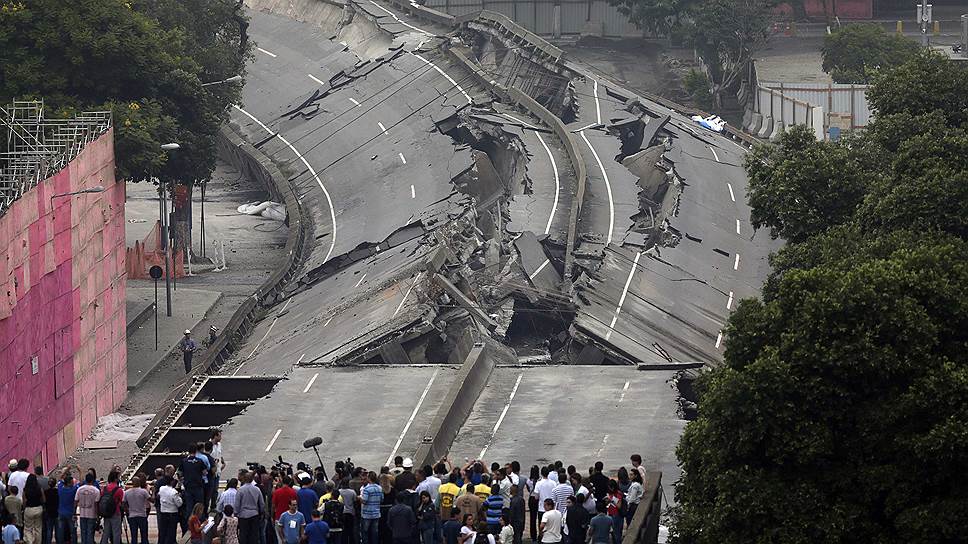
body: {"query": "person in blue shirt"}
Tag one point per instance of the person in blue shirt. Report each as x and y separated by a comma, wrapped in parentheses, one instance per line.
(10, 533)
(451, 527)
(317, 531)
(493, 509)
(291, 525)
(307, 498)
(66, 490)
(371, 496)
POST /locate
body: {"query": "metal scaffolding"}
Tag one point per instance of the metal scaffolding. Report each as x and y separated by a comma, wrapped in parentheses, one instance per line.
(39, 147)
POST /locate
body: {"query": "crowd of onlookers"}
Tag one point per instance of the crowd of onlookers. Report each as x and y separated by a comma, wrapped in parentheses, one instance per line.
(474, 503)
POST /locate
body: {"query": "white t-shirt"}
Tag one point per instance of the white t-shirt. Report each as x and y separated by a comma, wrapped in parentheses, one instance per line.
(217, 455)
(543, 490)
(552, 526)
(18, 478)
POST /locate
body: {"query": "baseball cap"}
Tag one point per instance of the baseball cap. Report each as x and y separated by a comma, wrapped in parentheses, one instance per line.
(408, 463)
(188, 331)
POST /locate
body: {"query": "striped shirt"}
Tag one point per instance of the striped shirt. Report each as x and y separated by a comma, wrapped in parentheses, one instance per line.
(494, 507)
(371, 496)
(560, 495)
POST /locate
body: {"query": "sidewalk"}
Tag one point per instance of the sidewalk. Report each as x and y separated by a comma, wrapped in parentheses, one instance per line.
(254, 247)
(188, 308)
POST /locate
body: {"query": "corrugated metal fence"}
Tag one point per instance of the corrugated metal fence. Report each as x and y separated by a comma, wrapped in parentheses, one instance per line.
(771, 107)
(594, 17)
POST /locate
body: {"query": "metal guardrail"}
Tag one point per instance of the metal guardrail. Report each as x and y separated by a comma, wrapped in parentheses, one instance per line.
(509, 26)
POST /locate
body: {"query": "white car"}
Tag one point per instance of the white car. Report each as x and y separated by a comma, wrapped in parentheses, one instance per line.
(713, 122)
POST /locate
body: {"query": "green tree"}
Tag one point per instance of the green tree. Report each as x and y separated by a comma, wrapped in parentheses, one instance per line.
(841, 412)
(728, 33)
(929, 82)
(801, 186)
(146, 61)
(853, 53)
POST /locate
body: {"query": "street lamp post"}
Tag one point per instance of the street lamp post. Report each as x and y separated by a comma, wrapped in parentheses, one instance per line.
(233, 79)
(163, 212)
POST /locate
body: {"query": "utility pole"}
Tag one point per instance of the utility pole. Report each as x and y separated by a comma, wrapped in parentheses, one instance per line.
(924, 17)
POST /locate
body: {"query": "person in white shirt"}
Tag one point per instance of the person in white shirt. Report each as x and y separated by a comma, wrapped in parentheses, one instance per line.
(19, 476)
(169, 501)
(551, 523)
(428, 482)
(543, 489)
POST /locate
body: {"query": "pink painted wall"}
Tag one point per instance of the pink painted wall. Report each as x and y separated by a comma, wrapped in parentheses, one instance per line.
(62, 300)
(845, 9)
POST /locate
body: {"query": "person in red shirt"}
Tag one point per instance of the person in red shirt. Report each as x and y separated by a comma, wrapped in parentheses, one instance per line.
(615, 500)
(281, 497)
(112, 524)
(195, 523)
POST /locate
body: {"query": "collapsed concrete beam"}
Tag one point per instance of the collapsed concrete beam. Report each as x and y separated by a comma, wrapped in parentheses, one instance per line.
(465, 302)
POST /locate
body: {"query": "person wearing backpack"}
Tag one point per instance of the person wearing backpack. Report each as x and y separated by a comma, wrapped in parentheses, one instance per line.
(86, 500)
(109, 508)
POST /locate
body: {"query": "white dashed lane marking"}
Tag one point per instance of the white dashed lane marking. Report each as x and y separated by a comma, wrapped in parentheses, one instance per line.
(271, 54)
(316, 79)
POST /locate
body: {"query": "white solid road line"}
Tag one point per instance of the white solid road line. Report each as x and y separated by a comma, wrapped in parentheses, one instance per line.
(625, 291)
(412, 285)
(598, 105)
(271, 54)
(736, 262)
(311, 382)
(274, 438)
(608, 189)
(737, 226)
(258, 122)
(540, 268)
(715, 156)
(408, 25)
(719, 339)
(729, 302)
(450, 79)
(363, 277)
(382, 128)
(500, 419)
(329, 200)
(316, 79)
(413, 415)
(413, 191)
(402, 158)
(731, 195)
(332, 211)
(355, 102)
(554, 166)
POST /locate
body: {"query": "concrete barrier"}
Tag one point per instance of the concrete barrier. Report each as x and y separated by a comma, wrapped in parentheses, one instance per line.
(778, 129)
(644, 527)
(766, 129)
(482, 356)
(756, 120)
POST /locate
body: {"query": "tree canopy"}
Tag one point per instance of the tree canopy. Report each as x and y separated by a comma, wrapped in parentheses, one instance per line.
(145, 61)
(840, 412)
(727, 32)
(855, 52)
